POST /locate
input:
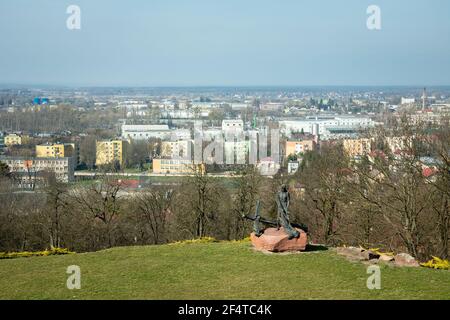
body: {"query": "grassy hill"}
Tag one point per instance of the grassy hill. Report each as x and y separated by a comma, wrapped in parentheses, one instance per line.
(224, 270)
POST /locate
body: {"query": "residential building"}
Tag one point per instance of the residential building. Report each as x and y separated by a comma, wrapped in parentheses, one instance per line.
(145, 132)
(268, 167)
(109, 151)
(56, 150)
(30, 171)
(398, 144)
(14, 139)
(271, 106)
(298, 147)
(2, 141)
(357, 147)
(177, 149)
(239, 106)
(293, 166)
(232, 127)
(175, 166)
(209, 134)
(236, 151)
(408, 100)
(328, 127)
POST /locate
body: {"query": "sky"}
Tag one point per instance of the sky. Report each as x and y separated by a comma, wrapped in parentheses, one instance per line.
(225, 43)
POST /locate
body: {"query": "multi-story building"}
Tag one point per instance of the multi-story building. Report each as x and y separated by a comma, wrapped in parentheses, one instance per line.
(357, 147)
(175, 166)
(298, 147)
(145, 132)
(398, 144)
(268, 166)
(232, 127)
(30, 171)
(14, 139)
(2, 141)
(110, 151)
(408, 101)
(177, 149)
(326, 126)
(236, 151)
(271, 106)
(56, 150)
(293, 167)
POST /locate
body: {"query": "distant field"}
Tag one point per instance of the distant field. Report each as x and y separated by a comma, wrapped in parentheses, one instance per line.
(224, 270)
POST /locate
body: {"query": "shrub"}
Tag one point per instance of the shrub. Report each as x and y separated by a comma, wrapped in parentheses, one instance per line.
(199, 240)
(437, 263)
(26, 254)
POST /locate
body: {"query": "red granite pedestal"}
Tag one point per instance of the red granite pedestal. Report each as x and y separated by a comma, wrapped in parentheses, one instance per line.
(274, 240)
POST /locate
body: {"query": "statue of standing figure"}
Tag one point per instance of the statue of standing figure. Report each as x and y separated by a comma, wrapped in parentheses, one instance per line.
(282, 200)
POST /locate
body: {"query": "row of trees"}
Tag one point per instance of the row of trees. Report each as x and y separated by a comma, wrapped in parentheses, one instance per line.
(61, 118)
(105, 214)
(396, 200)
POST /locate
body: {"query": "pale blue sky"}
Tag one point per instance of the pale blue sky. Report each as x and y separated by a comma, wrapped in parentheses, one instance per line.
(224, 42)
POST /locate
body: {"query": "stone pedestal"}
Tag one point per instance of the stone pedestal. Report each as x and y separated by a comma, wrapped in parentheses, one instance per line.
(274, 240)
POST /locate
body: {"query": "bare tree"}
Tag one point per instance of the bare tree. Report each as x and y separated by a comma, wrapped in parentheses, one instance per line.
(325, 177)
(56, 207)
(101, 202)
(153, 207)
(393, 182)
(198, 203)
(247, 184)
(88, 151)
(439, 143)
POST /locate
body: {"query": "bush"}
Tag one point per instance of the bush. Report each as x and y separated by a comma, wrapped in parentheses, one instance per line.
(437, 263)
(27, 254)
(199, 240)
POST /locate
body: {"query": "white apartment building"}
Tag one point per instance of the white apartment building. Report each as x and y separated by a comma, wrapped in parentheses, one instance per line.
(177, 149)
(163, 132)
(236, 151)
(232, 127)
(324, 126)
(144, 132)
(408, 100)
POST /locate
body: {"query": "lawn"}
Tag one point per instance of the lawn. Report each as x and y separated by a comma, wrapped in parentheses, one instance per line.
(225, 270)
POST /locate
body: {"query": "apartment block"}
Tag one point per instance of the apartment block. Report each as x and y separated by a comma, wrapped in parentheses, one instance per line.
(14, 139)
(357, 147)
(175, 166)
(56, 150)
(32, 170)
(109, 151)
(177, 149)
(298, 147)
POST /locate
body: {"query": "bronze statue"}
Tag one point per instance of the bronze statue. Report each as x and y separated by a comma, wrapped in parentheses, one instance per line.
(282, 200)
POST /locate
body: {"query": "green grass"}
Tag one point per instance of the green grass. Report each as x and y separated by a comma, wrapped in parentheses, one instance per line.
(224, 270)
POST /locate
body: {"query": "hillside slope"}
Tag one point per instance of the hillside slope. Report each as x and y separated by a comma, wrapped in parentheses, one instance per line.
(224, 270)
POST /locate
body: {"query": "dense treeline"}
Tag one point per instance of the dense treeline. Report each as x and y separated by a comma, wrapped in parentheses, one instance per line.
(57, 119)
(389, 199)
(394, 199)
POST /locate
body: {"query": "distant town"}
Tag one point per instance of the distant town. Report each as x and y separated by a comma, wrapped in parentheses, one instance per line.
(76, 134)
